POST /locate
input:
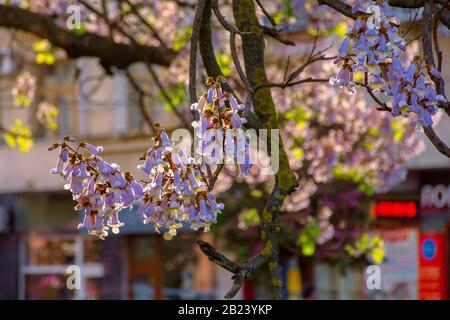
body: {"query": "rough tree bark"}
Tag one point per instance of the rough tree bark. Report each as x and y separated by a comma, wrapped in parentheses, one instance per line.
(244, 12)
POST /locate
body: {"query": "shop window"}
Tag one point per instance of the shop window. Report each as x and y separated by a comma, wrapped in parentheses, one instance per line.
(144, 267)
(187, 272)
(172, 270)
(44, 261)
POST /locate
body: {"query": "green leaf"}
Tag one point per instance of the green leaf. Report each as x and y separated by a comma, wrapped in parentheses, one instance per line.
(19, 136)
(377, 255)
(42, 46)
(45, 58)
(288, 9)
(181, 38)
(224, 61)
(177, 94)
(349, 249)
(249, 218)
(256, 193)
(314, 231)
(367, 189)
(298, 153)
(340, 29)
(21, 100)
(398, 129)
(308, 248)
(79, 31)
(373, 132)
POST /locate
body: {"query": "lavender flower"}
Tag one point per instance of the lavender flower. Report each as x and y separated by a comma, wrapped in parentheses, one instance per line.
(376, 42)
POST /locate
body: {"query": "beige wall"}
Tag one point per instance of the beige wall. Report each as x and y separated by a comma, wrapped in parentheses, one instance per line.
(29, 172)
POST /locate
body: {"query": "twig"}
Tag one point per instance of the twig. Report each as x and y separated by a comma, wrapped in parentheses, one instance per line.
(233, 31)
(440, 85)
(237, 63)
(240, 271)
(381, 105)
(284, 85)
(193, 53)
(276, 34)
(286, 68)
(166, 96)
(212, 67)
(436, 141)
(285, 181)
(155, 33)
(269, 17)
(429, 27)
(228, 26)
(288, 81)
(141, 101)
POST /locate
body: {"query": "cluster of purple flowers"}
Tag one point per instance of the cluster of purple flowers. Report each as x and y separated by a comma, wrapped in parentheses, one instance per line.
(220, 129)
(373, 47)
(100, 189)
(175, 193)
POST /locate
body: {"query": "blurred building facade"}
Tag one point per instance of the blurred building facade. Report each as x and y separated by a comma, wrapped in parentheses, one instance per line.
(38, 235)
(39, 240)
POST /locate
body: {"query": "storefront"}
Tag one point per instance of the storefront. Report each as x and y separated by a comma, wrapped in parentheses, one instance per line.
(414, 221)
(39, 242)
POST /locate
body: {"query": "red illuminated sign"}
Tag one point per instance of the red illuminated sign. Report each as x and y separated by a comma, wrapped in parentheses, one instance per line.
(395, 209)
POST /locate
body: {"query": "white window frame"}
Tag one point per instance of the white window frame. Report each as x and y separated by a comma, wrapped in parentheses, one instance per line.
(87, 270)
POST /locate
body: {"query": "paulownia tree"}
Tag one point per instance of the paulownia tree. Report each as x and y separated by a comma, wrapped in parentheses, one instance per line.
(334, 147)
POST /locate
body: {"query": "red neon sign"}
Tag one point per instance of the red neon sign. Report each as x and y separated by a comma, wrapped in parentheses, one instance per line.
(393, 209)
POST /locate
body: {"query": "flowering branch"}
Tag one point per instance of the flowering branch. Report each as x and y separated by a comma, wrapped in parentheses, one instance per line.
(373, 47)
(210, 62)
(285, 182)
(193, 51)
(429, 35)
(346, 9)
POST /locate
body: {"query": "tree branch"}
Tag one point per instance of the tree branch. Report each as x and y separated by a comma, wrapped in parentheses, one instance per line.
(276, 34)
(141, 100)
(210, 61)
(244, 12)
(196, 26)
(289, 80)
(111, 54)
(436, 141)
(266, 13)
(287, 84)
(340, 6)
(233, 31)
(167, 97)
(240, 271)
(155, 33)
